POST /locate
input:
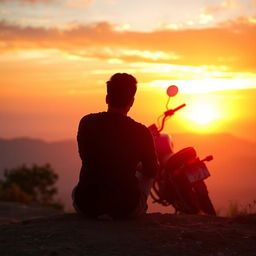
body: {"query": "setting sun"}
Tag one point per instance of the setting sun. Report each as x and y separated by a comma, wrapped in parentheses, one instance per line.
(53, 70)
(202, 113)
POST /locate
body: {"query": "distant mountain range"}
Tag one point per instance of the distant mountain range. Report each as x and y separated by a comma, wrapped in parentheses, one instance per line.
(233, 168)
(62, 155)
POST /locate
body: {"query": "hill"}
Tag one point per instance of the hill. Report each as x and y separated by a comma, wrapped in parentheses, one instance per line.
(62, 155)
(233, 168)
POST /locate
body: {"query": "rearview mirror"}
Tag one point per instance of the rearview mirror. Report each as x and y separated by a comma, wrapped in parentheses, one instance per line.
(172, 90)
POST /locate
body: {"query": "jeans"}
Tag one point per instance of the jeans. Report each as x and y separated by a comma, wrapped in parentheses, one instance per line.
(145, 185)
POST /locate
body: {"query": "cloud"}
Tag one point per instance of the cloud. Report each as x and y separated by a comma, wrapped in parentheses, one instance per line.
(26, 1)
(231, 44)
(227, 5)
(111, 1)
(253, 6)
(79, 3)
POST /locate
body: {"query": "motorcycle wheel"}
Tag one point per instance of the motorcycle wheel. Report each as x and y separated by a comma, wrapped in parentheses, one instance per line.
(185, 199)
(204, 200)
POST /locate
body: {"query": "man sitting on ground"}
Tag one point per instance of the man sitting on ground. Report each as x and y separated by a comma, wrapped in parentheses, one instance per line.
(118, 157)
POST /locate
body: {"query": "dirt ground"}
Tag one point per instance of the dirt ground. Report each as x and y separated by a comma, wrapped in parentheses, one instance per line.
(152, 234)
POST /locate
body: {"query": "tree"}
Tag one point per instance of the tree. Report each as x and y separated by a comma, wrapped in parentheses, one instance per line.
(29, 184)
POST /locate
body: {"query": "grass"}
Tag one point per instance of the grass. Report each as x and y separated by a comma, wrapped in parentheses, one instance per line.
(235, 209)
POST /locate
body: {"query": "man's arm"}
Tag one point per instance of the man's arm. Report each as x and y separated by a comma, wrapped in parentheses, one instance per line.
(149, 158)
(81, 133)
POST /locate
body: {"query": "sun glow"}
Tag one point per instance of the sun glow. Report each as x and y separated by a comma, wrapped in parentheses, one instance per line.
(202, 113)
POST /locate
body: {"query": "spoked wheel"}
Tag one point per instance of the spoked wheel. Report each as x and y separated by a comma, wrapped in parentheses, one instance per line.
(203, 198)
(185, 200)
(177, 192)
(182, 195)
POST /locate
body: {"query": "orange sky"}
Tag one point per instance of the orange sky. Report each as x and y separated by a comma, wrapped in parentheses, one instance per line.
(53, 70)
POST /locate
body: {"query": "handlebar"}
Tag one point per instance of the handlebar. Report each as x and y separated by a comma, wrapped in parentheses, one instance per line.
(169, 113)
(208, 158)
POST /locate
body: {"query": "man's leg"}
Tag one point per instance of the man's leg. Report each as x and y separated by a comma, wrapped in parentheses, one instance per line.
(74, 202)
(145, 185)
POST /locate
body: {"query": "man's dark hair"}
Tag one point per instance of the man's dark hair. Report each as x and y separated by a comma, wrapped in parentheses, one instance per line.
(121, 88)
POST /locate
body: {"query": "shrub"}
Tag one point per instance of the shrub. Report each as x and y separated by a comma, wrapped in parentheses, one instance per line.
(30, 184)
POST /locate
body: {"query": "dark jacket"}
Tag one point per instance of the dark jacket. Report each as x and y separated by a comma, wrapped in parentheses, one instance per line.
(111, 146)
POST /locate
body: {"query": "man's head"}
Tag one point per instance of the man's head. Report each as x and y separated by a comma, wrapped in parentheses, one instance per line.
(121, 89)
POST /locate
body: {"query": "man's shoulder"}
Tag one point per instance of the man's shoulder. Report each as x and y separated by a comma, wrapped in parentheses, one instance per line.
(141, 127)
(91, 116)
(126, 120)
(138, 124)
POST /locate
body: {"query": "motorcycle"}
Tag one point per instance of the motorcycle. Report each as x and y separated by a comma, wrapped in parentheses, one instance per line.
(180, 180)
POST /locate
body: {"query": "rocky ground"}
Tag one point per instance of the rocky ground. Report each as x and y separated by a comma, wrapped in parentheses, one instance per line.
(152, 234)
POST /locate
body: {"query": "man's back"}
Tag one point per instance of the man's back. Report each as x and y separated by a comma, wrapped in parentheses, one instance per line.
(111, 145)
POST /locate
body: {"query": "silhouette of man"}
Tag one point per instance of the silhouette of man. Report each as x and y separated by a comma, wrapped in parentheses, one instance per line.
(118, 157)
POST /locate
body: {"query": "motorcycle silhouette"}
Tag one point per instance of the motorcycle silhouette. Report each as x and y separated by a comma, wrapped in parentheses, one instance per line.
(180, 180)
